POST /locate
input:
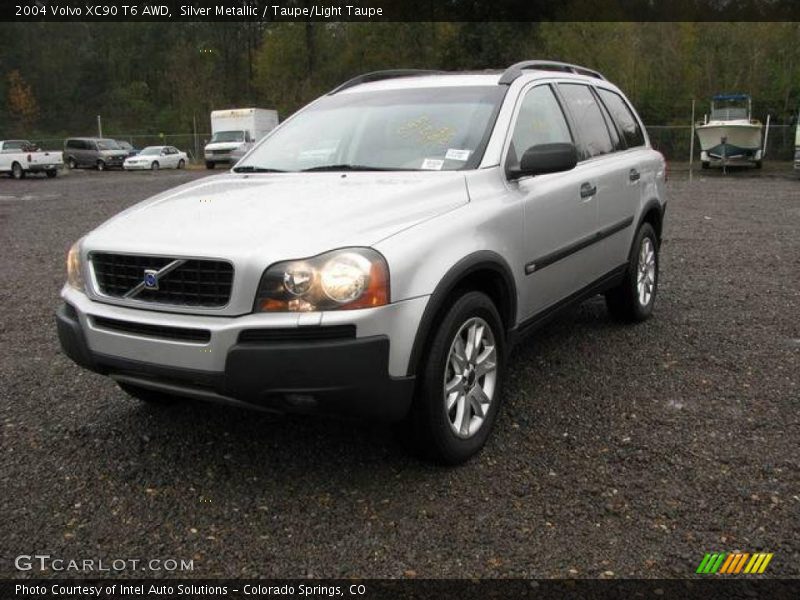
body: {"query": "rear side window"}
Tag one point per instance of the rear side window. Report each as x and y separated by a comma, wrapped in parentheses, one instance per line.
(72, 144)
(540, 121)
(592, 130)
(626, 122)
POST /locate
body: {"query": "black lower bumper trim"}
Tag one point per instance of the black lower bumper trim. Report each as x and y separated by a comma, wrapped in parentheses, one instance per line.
(348, 376)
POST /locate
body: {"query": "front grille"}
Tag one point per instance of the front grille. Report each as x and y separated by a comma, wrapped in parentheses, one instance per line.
(202, 283)
(156, 331)
(220, 152)
(306, 334)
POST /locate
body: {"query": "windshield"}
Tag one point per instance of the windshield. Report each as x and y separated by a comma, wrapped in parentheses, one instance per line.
(442, 128)
(107, 145)
(150, 150)
(228, 136)
(729, 109)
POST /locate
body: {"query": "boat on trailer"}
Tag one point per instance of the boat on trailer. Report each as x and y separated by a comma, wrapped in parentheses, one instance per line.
(730, 135)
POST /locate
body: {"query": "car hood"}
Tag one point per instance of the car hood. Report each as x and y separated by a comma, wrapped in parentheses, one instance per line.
(223, 145)
(269, 217)
(121, 153)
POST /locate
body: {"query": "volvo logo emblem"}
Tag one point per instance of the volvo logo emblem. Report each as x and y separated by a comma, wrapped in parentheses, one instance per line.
(151, 279)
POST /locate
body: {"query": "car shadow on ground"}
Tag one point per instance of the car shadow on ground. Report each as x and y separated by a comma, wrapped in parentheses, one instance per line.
(239, 441)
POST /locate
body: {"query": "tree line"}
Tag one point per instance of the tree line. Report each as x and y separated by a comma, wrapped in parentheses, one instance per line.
(147, 78)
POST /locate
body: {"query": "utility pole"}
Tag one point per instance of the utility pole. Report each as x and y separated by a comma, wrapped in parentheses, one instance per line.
(691, 144)
(99, 127)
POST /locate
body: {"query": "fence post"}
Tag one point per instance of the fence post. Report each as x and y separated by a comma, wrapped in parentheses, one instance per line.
(691, 144)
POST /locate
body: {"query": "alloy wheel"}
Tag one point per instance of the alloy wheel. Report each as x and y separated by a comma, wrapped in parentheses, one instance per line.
(470, 377)
(646, 272)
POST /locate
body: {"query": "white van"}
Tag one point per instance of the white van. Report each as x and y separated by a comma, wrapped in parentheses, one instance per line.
(237, 129)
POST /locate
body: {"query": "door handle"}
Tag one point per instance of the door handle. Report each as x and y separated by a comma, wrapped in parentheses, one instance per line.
(634, 175)
(588, 190)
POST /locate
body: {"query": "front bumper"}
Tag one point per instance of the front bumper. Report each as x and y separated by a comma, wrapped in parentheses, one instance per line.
(218, 158)
(311, 373)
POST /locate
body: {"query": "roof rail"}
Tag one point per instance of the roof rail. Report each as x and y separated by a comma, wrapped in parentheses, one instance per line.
(515, 70)
(380, 76)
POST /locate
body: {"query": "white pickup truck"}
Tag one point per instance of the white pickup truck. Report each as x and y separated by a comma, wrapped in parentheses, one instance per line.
(20, 157)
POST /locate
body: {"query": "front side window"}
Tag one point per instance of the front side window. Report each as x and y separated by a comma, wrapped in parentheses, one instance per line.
(626, 122)
(441, 128)
(540, 121)
(592, 130)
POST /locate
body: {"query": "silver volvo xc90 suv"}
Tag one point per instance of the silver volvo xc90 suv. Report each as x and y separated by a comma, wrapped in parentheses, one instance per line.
(379, 252)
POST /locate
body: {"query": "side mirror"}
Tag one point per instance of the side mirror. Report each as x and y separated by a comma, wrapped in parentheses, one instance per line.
(546, 158)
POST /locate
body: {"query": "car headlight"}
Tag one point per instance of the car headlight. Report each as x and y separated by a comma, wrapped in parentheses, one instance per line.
(75, 267)
(343, 279)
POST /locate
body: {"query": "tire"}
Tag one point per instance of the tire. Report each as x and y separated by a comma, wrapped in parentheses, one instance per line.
(705, 164)
(181, 164)
(759, 164)
(72, 163)
(101, 166)
(52, 173)
(151, 397)
(210, 164)
(439, 426)
(17, 172)
(628, 301)
(154, 165)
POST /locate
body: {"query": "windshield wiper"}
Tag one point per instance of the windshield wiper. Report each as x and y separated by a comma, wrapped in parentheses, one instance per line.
(254, 169)
(346, 167)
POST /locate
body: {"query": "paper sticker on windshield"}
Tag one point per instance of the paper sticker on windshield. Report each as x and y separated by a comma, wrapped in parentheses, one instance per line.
(432, 164)
(454, 154)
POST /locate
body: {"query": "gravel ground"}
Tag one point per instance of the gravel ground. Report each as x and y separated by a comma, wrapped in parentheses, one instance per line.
(621, 451)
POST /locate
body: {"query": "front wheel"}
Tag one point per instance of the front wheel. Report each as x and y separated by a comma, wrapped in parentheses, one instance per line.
(72, 164)
(154, 165)
(51, 173)
(210, 164)
(17, 172)
(460, 383)
(101, 165)
(181, 164)
(147, 396)
(633, 299)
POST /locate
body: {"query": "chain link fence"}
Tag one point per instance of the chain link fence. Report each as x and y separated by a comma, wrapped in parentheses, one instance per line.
(673, 141)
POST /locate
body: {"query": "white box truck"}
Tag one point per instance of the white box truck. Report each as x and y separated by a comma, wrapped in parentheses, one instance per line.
(236, 129)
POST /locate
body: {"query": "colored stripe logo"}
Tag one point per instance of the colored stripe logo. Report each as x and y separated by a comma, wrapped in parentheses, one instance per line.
(734, 563)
